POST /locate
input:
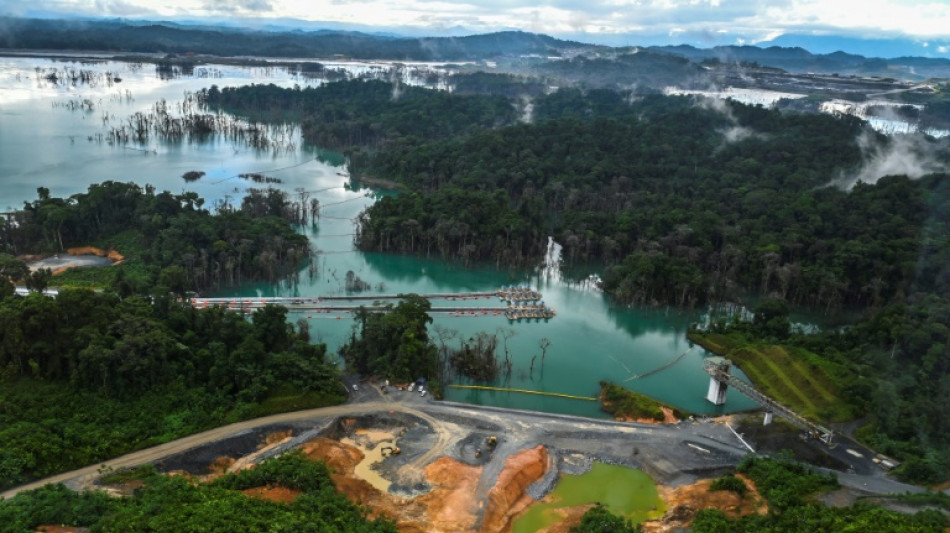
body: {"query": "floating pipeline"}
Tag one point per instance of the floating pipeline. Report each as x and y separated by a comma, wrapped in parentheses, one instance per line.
(524, 391)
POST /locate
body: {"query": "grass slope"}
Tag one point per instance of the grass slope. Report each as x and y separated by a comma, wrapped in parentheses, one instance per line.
(797, 378)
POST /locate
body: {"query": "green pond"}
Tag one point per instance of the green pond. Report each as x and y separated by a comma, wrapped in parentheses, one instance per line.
(45, 143)
(623, 491)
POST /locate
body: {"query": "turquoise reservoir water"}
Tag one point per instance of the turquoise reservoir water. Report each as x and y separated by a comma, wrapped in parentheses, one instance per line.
(44, 143)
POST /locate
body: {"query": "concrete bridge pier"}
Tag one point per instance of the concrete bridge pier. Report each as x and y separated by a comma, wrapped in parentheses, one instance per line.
(717, 388)
(768, 418)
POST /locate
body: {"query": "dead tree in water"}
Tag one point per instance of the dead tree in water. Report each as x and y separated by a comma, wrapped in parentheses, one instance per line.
(476, 357)
(186, 122)
(544, 343)
(314, 210)
(507, 333)
(303, 196)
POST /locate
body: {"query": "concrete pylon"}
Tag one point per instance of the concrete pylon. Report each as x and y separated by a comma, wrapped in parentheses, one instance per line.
(768, 418)
(717, 392)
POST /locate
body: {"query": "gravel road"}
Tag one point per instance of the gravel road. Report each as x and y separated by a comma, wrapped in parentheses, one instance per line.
(673, 454)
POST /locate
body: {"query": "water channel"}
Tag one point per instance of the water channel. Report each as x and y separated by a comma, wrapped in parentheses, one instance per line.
(45, 142)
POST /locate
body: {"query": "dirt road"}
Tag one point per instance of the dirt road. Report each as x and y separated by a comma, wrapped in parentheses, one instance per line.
(83, 476)
(673, 454)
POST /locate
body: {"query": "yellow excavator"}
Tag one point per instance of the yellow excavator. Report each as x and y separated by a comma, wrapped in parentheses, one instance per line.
(491, 442)
(393, 450)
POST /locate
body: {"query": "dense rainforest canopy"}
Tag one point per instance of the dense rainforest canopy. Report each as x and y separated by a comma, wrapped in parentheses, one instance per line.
(89, 375)
(368, 114)
(393, 343)
(171, 242)
(684, 201)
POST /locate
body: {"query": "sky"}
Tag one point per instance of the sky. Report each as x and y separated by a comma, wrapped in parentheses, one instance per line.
(700, 22)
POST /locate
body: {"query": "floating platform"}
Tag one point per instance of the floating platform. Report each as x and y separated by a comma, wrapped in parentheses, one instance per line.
(320, 306)
(529, 311)
(518, 295)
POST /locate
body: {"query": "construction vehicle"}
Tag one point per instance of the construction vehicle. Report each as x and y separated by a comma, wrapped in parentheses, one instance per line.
(393, 450)
(491, 441)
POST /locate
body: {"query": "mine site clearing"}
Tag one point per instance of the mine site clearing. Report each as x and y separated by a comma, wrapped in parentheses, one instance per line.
(442, 466)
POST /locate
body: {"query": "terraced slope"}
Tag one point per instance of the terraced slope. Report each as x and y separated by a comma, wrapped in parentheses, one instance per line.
(802, 380)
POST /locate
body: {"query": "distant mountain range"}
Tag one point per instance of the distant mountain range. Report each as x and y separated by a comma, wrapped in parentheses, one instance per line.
(177, 38)
(800, 60)
(121, 36)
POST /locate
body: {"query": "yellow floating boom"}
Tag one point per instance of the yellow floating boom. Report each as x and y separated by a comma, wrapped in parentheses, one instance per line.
(524, 391)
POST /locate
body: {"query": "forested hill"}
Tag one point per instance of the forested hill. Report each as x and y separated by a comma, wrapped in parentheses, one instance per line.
(683, 200)
(641, 68)
(87, 375)
(801, 60)
(683, 204)
(367, 114)
(168, 38)
(171, 242)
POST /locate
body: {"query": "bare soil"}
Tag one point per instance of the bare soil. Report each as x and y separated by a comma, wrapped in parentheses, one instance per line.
(448, 479)
(74, 257)
(113, 255)
(685, 501)
(448, 506)
(273, 494)
(668, 418)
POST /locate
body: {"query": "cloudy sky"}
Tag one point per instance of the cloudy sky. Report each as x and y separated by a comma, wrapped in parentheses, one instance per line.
(715, 21)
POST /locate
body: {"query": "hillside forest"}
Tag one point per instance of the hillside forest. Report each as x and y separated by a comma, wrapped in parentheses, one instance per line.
(88, 375)
(173, 242)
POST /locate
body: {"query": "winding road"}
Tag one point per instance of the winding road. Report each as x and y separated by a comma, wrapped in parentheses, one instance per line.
(673, 454)
(84, 476)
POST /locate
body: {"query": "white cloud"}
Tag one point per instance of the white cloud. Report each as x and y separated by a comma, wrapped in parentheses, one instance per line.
(750, 20)
(871, 17)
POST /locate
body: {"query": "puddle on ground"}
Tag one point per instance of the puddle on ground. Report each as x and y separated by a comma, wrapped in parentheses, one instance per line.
(372, 456)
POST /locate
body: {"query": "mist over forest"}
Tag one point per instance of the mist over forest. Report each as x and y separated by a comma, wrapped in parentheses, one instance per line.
(764, 182)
